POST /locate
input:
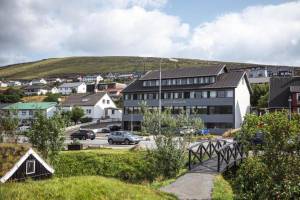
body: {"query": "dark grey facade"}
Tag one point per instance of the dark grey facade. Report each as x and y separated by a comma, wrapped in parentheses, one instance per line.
(204, 92)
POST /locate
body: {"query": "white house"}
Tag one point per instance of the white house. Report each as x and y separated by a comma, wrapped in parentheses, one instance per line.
(75, 87)
(96, 105)
(38, 81)
(14, 83)
(2, 84)
(92, 79)
(26, 111)
(39, 89)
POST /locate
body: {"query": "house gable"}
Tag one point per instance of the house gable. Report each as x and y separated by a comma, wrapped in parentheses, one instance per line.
(18, 171)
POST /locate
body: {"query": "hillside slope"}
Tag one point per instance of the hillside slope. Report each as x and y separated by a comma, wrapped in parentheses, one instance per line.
(88, 65)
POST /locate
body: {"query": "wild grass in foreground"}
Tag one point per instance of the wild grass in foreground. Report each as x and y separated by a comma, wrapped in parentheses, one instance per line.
(79, 188)
(222, 189)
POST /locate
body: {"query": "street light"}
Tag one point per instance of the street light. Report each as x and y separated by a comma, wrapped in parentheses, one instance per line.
(290, 107)
(159, 93)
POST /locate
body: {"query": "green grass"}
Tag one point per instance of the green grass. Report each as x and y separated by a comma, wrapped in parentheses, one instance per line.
(79, 188)
(222, 189)
(130, 166)
(88, 65)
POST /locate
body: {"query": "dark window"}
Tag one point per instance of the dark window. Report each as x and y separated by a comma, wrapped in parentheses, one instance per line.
(180, 95)
(219, 125)
(221, 94)
(164, 82)
(178, 81)
(201, 110)
(183, 81)
(187, 95)
(30, 166)
(219, 110)
(135, 96)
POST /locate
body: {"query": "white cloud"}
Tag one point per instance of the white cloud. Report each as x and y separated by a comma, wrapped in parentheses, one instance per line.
(265, 34)
(39, 29)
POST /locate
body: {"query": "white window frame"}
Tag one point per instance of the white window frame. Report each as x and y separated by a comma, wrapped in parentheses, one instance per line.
(29, 161)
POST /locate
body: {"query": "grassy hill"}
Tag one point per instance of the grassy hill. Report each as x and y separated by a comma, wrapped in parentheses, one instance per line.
(79, 188)
(88, 65)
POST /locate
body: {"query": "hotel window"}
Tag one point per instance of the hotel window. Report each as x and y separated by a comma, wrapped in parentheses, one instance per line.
(135, 96)
(212, 94)
(184, 81)
(144, 83)
(155, 95)
(195, 80)
(157, 82)
(176, 95)
(146, 96)
(170, 96)
(201, 110)
(206, 79)
(178, 81)
(169, 82)
(192, 95)
(177, 110)
(198, 95)
(212, 79)
(173, 81)
(180, 95)
(201, 80)
(187, 95)
(190, 81)
(219, 110)
(164, 82)
(229, 93)
(204, 94)
(221, 94)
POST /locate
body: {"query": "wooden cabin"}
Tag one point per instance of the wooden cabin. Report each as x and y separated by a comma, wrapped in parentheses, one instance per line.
(19, 162)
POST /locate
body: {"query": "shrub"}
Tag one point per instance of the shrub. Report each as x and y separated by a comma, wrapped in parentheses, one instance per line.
(86, 120)
(125, 165)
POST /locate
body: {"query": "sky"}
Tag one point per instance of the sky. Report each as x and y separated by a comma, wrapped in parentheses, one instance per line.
(255, 31)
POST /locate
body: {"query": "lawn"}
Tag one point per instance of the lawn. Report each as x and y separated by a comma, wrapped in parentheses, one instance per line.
(222, 189)
(79, 188)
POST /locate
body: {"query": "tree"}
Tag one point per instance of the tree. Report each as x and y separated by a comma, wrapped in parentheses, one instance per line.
(8, 125)
(76, 114)
(273, 170)
(170, 152)
(52, 98)
(259, 90)
(263, 101)
(47, 134)
(11, 95)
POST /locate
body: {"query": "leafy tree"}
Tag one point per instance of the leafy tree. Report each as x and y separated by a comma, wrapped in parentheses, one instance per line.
(263, 101)
(8, 125)
(47, 134)
(66, 115)
(11, 95)
(52, 98)
(169, 154)
(273, 171)
(259, 90)
(14, 91)
(76, 114)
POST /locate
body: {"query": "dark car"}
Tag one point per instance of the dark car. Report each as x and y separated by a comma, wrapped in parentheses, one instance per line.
(115, 128)
(83, 135)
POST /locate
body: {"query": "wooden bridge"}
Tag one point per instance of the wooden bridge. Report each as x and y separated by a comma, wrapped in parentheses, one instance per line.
(216, 155)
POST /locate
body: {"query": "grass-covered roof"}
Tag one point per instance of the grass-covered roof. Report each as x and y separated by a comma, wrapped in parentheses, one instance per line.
(9, 155)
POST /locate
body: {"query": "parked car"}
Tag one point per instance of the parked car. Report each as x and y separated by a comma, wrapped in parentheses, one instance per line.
(202, 132)
(115, 127)
(105, 130)
(185, 130)
(123, 137)
(83, 135)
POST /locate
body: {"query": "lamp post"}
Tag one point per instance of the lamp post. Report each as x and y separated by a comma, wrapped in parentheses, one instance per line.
(290, 107)
(159, 93)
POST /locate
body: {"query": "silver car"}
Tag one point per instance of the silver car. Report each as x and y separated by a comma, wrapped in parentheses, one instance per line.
(123, 137)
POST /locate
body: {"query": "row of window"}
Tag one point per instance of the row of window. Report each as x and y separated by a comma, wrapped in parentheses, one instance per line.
(107, 101)
(181, 95)
(181, 81)
(192, 110)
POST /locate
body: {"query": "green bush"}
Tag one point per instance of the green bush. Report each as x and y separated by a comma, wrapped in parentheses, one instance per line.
(86, 120)
(122, 164)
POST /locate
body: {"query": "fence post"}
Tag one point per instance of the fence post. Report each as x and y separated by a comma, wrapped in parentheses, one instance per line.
(218, 161)
(190, 158)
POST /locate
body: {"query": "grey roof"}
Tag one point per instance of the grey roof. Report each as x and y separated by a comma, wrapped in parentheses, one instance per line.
(83, 99)
(2, 105)
(280, 88)
(225, 80)
(184, 72)
(70, 85)
(37, 86)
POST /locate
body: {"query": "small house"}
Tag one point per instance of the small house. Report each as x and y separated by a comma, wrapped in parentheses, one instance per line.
(75, 87)
(19, 162)
(38, 81)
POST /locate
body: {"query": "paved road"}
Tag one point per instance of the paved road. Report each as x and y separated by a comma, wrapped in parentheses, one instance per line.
(102, 142)
(192, 186)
